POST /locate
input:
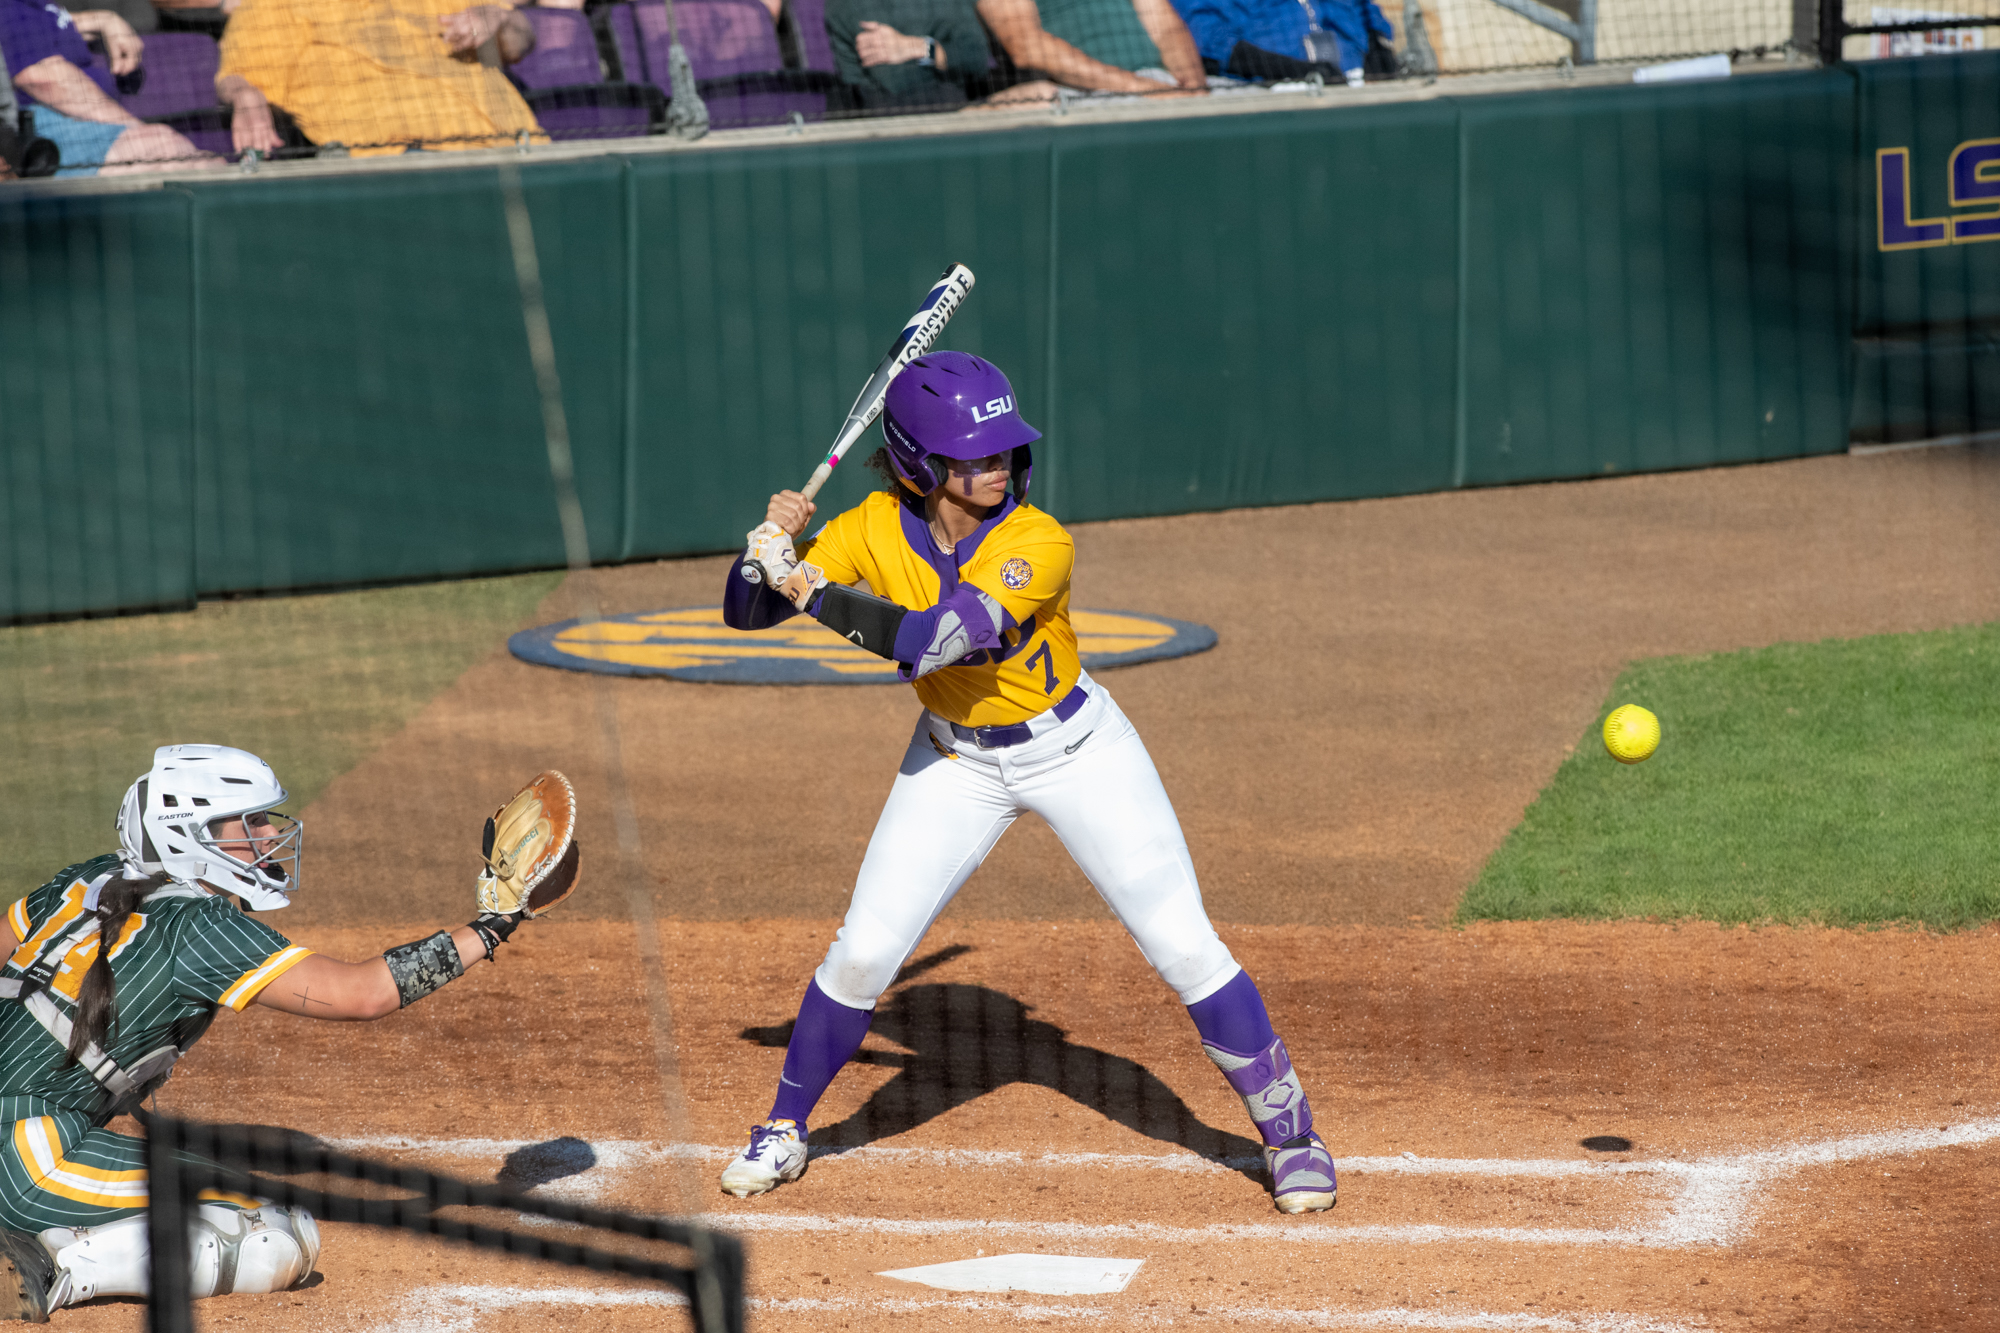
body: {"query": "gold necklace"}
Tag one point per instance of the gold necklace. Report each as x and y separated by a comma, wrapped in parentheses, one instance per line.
(932, 520)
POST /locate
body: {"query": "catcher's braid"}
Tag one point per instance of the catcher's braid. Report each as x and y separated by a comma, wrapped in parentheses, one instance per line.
(531, 856)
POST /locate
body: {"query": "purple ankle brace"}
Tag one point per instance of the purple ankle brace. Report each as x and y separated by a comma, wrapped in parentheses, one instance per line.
(1269, 1088)
(826, 1037)
(1233, 1019)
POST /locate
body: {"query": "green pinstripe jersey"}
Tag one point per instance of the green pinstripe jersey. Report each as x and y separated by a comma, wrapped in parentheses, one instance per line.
(183, 954)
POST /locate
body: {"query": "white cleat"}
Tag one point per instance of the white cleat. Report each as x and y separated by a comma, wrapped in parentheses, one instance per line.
(1302, 1175)
(775, 1155)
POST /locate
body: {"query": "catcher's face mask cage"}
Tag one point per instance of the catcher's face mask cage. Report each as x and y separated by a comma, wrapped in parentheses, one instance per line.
(177, 819)
(267, 876)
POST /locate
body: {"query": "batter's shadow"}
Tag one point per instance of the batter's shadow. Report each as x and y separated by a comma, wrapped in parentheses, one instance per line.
(965, 1041)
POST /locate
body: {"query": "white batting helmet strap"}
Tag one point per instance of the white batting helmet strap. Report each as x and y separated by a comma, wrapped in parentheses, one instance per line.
(170, 818)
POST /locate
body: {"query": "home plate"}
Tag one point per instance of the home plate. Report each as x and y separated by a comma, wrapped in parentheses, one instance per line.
(1045, 1274)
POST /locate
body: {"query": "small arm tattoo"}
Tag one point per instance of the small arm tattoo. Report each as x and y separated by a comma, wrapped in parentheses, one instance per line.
(306, 998)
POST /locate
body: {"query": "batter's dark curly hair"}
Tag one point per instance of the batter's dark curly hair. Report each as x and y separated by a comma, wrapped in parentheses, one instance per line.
(878, 463)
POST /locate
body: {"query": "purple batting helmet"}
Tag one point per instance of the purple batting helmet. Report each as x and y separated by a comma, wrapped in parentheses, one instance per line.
(950, 405)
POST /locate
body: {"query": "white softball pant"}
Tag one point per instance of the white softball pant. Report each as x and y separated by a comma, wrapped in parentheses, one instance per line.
(1094, 783)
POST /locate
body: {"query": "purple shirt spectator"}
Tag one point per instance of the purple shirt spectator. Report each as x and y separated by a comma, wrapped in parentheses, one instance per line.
(32, 32)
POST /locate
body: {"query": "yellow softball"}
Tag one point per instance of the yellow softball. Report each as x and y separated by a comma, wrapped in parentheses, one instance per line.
(1631, 733)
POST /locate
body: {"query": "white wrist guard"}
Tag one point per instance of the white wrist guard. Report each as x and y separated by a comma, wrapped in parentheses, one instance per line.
(801, 583)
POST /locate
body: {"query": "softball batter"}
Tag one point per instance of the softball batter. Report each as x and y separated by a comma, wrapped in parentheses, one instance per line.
(971, 598)
(86, 1034)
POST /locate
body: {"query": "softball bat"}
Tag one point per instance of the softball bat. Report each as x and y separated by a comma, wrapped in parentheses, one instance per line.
(919, 333)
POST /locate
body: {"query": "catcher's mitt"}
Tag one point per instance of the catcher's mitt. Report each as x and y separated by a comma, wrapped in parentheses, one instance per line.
(531, 849)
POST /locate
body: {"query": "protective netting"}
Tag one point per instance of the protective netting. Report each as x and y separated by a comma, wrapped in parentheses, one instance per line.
(341, 689)
(149, 83)
(1472, 35)
(1882, 32)
(298, 1171)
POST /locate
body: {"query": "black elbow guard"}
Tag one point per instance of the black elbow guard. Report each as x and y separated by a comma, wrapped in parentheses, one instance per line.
(861, 618)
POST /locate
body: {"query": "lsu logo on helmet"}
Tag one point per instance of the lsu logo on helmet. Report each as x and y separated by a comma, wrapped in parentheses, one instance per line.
(1016, 573)
(995, 407)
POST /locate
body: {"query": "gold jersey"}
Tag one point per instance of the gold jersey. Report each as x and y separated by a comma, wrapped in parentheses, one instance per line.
(1022, 560)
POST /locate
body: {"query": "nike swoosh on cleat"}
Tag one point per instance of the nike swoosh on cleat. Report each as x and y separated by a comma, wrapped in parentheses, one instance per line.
(1067, 749)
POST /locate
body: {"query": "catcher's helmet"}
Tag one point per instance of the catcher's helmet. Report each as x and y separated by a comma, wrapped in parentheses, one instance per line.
(951, 405)
(168, 822)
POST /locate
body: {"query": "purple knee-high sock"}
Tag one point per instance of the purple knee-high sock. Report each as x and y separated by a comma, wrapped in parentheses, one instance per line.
(1234, 1017)
(826, 1037)
(1236, 1033)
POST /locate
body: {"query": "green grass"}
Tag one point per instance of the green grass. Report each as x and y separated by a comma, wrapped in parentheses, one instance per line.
(312, 684)
(1843, 783)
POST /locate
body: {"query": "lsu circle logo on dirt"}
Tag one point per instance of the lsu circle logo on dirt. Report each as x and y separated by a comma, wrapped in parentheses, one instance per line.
(693, 644)
(1016, 573)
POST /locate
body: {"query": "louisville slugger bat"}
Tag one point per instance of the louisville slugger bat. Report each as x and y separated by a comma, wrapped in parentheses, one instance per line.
(917, 337)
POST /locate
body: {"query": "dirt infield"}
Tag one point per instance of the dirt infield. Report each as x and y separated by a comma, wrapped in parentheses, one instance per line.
(1814, 1116)
(1018, 1096)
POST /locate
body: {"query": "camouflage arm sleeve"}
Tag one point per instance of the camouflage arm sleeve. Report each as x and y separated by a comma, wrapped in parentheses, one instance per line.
(422, 967)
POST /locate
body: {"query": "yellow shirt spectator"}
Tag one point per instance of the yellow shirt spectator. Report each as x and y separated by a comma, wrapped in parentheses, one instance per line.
(379, 75)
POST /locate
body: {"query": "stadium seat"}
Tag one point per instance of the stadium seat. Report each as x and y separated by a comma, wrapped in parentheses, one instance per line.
(733, 48)
(809, 18)
(565, 50)
(178, 91)
(562, 80)
(180, 75)
(598, 110)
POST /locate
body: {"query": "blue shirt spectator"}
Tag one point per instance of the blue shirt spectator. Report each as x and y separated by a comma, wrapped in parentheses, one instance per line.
(1278, 28)
(72, 95)
(31, 32)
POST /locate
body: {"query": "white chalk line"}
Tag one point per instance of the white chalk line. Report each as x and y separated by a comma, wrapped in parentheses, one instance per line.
(1306, 1231)
(1712, 1204)
(622, 1153)
(456, 1309)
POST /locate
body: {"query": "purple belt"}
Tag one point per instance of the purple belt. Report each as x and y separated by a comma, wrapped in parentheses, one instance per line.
(1020, 733)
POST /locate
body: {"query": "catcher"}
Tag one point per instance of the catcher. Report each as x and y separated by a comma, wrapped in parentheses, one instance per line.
(86, 1034)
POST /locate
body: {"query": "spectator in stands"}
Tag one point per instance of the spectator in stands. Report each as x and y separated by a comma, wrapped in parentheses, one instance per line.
(1290, 39)
(1113, 46)
(907, 53)
(73, 95)
(379, 76)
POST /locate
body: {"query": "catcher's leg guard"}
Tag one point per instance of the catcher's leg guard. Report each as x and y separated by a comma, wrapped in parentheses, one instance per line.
(267, 1248)
(110, 1260)
(26, 1276)
(262, 1249)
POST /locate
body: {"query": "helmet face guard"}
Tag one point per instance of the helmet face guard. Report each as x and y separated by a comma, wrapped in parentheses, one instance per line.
(952, 407)
(173, 820)
(269, 874)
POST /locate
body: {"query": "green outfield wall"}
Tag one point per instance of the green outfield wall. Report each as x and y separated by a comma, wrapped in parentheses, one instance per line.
(1927, 295)
(268, 383)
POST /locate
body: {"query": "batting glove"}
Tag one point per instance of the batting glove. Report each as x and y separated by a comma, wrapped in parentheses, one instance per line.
(770, 552)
